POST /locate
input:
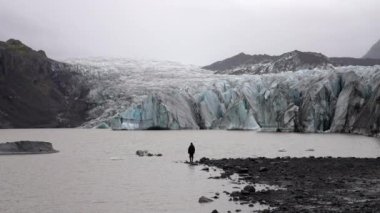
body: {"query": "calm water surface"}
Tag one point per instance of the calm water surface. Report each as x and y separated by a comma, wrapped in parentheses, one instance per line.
(98, 171)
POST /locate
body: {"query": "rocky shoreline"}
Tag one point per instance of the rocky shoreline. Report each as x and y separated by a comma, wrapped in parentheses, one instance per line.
(305, 184)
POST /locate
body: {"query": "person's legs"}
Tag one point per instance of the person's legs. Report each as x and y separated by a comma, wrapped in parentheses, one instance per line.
(191, 158)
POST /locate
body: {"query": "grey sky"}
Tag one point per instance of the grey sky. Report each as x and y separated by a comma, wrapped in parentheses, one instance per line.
(191, 31)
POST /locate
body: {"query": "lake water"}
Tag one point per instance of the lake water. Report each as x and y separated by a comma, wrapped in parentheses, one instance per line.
(98, 170)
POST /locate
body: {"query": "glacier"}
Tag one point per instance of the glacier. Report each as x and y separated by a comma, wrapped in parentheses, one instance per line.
(143, 94)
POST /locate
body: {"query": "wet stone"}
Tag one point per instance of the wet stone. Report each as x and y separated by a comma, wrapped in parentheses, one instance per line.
(241, 170)
(249, 188)
(204, 199)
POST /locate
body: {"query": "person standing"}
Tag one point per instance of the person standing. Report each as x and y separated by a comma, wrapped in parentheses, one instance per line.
(191, 151)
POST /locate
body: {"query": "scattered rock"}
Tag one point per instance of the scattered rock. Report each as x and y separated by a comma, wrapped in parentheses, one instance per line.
(321, 184)
(244, 192)
(282, 150)
(204, 199)
(263, 169)
(203, 160)
(214, 211)
(206, 169)
(224, 175)
(241, 170)
(142, 153)
(309, 150)
(249, 188)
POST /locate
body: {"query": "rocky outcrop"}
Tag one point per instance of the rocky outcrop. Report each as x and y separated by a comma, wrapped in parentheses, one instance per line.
(374, 51)
(36, 91)
(26, 147)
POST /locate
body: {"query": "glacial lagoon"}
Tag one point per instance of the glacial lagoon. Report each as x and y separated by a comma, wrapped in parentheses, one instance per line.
(99, 171)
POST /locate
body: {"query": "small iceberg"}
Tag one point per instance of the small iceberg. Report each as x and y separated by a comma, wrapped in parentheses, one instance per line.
(26, 147)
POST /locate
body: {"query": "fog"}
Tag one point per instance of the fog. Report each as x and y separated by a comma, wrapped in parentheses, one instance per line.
(191, 31)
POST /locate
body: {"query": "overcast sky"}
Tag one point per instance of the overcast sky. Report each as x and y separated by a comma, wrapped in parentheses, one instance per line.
(191, 31)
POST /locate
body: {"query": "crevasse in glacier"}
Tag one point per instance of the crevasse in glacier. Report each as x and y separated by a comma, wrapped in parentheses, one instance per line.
(167, 95)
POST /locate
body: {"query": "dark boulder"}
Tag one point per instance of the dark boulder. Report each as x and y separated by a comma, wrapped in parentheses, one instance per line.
(142, 153)
(241, 170)
(204, 199)
(249, 188)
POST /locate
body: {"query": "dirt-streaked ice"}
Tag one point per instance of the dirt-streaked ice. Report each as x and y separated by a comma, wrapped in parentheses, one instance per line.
(132, 94)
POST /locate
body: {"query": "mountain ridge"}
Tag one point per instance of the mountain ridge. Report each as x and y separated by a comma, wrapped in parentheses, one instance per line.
(290, 61)
(36, 91)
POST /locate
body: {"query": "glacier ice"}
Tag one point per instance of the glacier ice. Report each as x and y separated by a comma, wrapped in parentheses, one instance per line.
(129, 94)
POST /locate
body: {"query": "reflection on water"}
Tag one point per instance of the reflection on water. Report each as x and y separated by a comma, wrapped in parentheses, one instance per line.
(98, 170)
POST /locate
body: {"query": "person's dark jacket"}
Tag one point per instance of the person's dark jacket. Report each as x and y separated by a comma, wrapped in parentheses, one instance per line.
(191, 149)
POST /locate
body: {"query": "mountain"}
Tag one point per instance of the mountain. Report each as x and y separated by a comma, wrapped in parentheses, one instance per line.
(261, 64)
(374, 52)
(238, 60)
(36, 91)
(291, 61)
